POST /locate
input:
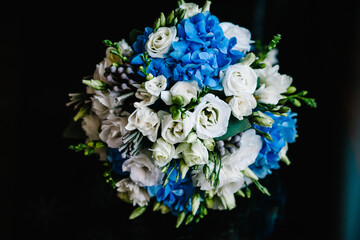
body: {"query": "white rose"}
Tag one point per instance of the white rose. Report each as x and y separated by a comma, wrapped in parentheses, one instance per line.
(113, 130)
(237, 79)
(159, 42)
(162, 152)
(191, 9)
(131, 192)
(211, 117)
(273, 84)
(194, 153)
(145, 120)
(146, 97)
(242, 105)
(186, 90)
(175, 131)
(142, 170)
(156, 85)
(242, 35)
(243, 157)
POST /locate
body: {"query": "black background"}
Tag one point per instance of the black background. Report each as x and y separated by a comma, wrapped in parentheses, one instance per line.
(54, 193)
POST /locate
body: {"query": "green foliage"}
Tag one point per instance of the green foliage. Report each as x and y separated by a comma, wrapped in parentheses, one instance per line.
(235, 126)
(258, 63)
(88, 148)
(115, 51)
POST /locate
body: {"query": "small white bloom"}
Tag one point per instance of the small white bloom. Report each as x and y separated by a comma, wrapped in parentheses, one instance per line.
(211, 117)
(187, 90)
(250, 146)
(238, 79)
(159, 42)
(90, 125)
(112, 130)
(156, 85)
(162, 152)
(191, 9)
(242, 106)
(242, 35)
(273, 84)
(145, 120)
(142, 170)
(131, 192)
(103, 103)
(175, 131)
(271, 58)
(194, 153)
(146, 97)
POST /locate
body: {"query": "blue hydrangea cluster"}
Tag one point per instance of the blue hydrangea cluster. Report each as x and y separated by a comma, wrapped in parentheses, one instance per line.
(282, 131)
(176, 194)
(201, 52)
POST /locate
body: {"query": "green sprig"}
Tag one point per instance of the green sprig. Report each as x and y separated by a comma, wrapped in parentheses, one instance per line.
(295, 98)
(115, 51)
(88, 148)
(258, 63)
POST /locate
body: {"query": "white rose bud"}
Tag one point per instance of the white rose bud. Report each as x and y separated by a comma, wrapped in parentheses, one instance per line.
(193, 153)
(186, 90)
(238, 79)
(162, 152)
(262, 119)
(160, 42)
(242, 105)
(156, 85)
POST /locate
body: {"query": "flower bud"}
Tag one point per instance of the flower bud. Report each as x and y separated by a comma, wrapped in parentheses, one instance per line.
(184, 168)
(178, 100)
(137, 212)
(206, 171)
(247, 172)
(262, 119)
(191, 137)
(209, 144)
(195, 203)
(149, 77)
(180, 219)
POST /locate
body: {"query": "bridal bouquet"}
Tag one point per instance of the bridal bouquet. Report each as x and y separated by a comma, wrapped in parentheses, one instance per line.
(189, 115)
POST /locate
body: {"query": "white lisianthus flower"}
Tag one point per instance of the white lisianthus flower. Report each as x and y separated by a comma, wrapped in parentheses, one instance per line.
(130, 192)
(146, 97)
(242, 105)
(273, 84)
(145, 120)
(91, 125)
(194, 153)
(242, 35)
(243, 157)
(186, 90)
(159, 42)
(156, 85)
(112, 130)
(142, 170)
(191, 9)
(103, 103)
(162, 152)
(237, 79)
(211, 117)
(175, 131)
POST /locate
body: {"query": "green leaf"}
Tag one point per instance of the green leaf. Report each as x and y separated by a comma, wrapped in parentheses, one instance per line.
(235, 126)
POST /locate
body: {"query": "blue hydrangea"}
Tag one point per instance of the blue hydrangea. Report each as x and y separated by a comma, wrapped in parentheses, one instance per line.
(115, 158)
(202, 51)
(175, 195)
(282, 131)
